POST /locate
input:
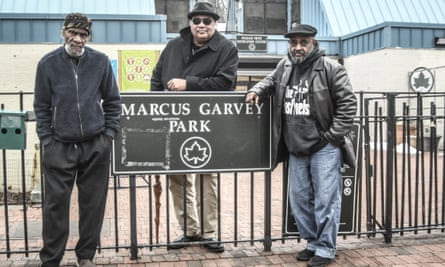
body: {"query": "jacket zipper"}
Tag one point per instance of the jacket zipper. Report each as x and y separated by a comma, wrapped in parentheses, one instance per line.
(54, 117)
(75, 71)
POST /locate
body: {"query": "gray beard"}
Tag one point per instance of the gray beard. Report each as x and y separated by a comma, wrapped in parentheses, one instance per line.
(294, 59)
(73, 54)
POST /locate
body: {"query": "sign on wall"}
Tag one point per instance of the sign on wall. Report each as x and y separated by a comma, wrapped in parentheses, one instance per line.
(421, 80)
(191, 132)
(136, 68)
(251, 43)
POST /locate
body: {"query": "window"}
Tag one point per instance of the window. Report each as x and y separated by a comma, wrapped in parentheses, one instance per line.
(176, 11)
(265, 16)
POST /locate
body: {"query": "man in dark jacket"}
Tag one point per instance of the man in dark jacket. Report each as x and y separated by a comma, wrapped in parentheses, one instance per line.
(313, 109)
(200, 59)
(77, 107)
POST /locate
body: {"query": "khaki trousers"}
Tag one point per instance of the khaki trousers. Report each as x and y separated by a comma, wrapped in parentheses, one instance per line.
(193, 202)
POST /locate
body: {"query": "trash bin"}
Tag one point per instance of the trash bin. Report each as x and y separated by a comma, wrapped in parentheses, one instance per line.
(12, 129)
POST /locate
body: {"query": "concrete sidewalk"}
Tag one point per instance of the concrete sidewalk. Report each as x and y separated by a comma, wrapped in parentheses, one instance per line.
(409, 250)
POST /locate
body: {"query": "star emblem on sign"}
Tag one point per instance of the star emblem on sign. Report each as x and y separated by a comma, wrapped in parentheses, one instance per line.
(195, 152)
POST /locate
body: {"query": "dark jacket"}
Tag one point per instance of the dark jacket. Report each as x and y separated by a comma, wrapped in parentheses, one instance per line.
(73, 102)
(212, 68)
(333, 104)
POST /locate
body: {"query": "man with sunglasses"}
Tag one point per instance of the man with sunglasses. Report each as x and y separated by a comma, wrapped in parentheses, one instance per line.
(200, 59)
(313, 109)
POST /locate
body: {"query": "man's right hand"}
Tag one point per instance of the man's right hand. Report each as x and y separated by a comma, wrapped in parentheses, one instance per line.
(252, 98)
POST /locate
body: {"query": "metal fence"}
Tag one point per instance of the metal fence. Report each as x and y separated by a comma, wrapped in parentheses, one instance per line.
(399, 188)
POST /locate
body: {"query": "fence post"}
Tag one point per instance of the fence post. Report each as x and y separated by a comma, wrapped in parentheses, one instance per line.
(133, 228)
(267, 211)
(391, 124)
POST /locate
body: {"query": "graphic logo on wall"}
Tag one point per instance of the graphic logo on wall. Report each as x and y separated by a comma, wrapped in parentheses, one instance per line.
(195, 152)
(136, 68)
(421, 80)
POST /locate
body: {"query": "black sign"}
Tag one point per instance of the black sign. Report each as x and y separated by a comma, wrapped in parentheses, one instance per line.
(251, 43)
(191, 132)
(348, 201)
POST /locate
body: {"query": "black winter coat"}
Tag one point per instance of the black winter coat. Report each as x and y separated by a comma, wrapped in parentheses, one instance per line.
(212, 68)
(74, 103)
(334, 104)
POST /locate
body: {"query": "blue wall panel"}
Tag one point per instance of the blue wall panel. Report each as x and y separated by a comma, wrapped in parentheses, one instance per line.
(348, 16)
(145, 33)
(395, 37)
(416, 38)
(23, 31)
(129, 32)
(405, 38)
(111, 7)
(113, 32)
(38, 28)
(99, 32)
(406, 35)
(427, 38)
(38, 31)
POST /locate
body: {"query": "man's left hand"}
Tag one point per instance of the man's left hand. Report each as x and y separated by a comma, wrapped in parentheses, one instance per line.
(177, 84)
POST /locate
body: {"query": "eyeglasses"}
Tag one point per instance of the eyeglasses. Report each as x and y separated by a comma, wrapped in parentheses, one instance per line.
(206, 21)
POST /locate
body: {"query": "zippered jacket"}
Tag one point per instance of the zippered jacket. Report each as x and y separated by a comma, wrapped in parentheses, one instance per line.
(75, 102)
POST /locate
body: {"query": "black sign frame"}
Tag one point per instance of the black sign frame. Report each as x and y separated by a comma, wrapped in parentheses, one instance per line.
(163, 116)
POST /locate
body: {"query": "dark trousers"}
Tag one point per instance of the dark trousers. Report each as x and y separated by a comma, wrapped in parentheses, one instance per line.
(87, 164)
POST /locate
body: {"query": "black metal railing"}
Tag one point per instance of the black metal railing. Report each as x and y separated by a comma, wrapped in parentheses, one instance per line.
(399, 187)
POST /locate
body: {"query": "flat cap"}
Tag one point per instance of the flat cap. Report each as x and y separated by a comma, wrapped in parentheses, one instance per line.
(203, 8)
(301, 30)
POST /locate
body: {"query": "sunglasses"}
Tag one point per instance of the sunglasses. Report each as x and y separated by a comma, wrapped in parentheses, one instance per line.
(206, 21)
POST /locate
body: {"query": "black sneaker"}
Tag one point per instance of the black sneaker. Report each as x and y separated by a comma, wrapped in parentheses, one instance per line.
(318, 261)
(305, 255)
(180, 242)
(85, 263)
(215, 247)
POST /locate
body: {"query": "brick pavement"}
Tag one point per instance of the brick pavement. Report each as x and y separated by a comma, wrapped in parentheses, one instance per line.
(410, 250)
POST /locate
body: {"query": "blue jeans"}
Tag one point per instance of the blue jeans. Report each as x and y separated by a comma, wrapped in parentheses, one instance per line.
(315, 185)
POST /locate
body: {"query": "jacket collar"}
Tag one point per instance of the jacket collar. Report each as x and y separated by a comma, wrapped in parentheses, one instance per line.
(318, 64)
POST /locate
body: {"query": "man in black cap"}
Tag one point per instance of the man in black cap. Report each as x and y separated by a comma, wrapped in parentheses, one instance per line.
(200, 59)
(314, 107)
(77, 107)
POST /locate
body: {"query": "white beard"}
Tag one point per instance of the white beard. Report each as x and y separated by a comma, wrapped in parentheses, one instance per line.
(296, 59)
(73, 53)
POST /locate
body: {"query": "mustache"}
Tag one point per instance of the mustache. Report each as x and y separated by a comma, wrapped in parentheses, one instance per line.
(295, 52)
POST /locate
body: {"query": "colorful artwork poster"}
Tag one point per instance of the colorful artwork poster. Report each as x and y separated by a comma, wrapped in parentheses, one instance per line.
(136, 68)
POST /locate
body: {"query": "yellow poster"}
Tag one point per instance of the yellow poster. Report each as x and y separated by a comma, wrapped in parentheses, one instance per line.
(136, 68)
